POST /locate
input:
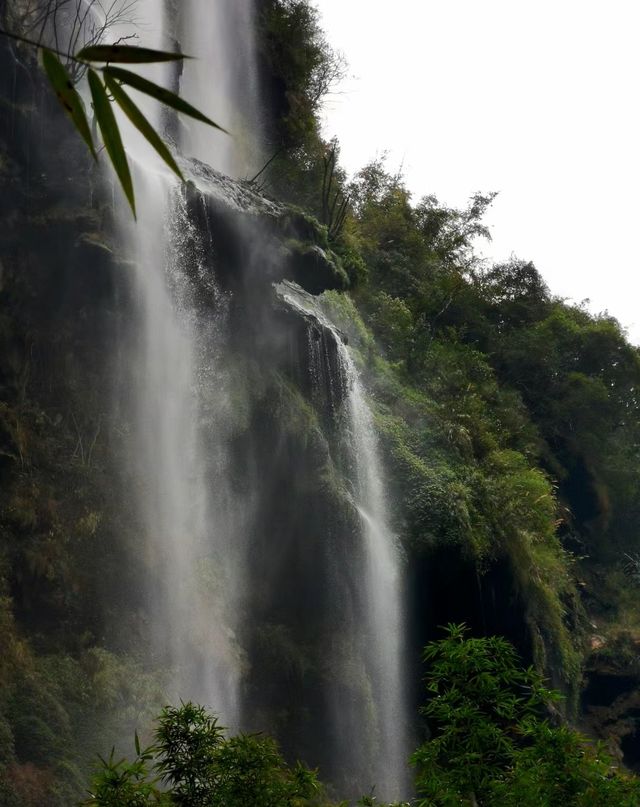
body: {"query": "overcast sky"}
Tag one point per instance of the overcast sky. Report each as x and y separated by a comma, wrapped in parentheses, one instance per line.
(537, 100)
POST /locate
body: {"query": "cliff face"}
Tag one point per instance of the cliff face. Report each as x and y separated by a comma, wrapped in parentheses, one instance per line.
(81, 664)
(56, 324)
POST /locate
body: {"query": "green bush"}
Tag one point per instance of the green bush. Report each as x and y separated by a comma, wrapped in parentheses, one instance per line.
(493, 741)
(198, 765)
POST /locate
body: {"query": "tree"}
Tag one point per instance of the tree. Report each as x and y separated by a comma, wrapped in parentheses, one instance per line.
(298, 68)
(479, 699)
(200, 767)
(493, 743)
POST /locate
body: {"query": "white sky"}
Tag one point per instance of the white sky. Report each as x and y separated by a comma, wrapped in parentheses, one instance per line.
(538, 100)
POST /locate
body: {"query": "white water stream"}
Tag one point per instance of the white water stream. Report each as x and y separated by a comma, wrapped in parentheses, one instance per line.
(380, 623)
(194, 529)
(179, 406)
(192, 526)
(384, 617)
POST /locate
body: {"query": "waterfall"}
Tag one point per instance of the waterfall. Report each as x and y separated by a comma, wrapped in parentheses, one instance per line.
(383, 616)
(376, 632)
(208, 542)
(223, 80)
(191, 524)
(178, 452)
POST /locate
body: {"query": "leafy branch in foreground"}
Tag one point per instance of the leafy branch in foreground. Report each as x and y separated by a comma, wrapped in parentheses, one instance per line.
(106, 85)
(493, 743)
(192, 763)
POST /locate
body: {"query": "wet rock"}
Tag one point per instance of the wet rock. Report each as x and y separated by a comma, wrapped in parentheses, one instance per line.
(316, 269)
(293, 245)
(611, 696)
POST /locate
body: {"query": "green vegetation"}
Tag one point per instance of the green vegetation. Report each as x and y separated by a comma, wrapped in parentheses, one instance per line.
(299, 68)
(510, 418)
(535, 401)
(495, 741)
(192, 763)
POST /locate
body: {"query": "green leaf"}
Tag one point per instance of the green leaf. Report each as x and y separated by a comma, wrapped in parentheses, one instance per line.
(159, 93)
(141, 123)
(137, 742)
(111, 136)
(126, 54)
(67, 95)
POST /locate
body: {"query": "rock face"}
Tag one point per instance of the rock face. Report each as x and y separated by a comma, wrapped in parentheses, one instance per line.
(75, 618)
(611, 695)
(292, 245)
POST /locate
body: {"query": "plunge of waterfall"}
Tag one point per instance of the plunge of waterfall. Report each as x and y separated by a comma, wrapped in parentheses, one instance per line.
(178, 453)
(191, 525)
(222, 79)
(195, 527)
(384, 617)
(377, 632)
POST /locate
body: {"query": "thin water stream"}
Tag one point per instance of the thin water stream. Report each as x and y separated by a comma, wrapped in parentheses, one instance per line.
(378, 629)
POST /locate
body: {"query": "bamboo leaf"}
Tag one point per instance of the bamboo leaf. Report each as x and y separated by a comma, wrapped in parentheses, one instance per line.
(126, 54)
(67, 95)
(137, 742)
(159, 93)
(141, 123)
(111, 136)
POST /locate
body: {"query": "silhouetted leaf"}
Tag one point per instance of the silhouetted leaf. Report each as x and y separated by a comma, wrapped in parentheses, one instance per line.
(111, 136)
(159, 93)
(67, 95)
(141, 123)
(127, 54)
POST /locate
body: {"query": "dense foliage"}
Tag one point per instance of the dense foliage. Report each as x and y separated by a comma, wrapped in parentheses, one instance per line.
(510, 417)
(298, 68)
(193, 764)
(536, 403)
(492, 743)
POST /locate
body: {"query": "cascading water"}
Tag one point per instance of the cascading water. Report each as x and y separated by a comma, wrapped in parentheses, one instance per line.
(178, 412)
(223, 79)
(382, 578)
(377, 629)
(202, 533)
(190, 522)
